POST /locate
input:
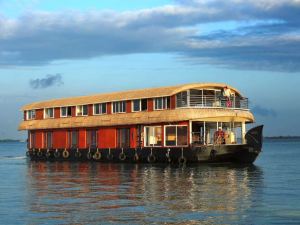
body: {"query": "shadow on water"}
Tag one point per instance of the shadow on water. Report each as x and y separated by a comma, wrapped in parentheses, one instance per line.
(135, 193)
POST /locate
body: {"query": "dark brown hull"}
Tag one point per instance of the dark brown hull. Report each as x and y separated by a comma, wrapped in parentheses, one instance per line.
(204, 154)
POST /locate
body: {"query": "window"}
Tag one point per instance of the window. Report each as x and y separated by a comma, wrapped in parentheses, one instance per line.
(176, 135)
(123, 138)
(48, 137)
(81, 110)
(136, 105)
(91, 140)
(49, 113)
(153, 136)
(182, 99)
(30, 114)
(139, 105)
(31, 139)
(119, 107)
(144, 104)
(73, 139)
(162, 103)
(100, 109)
(66, 111)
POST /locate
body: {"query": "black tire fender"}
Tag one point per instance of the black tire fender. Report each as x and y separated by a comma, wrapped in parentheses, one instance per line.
(151, 158)
(213, 154)
(65, 154)
(122, 156)
(97, 156)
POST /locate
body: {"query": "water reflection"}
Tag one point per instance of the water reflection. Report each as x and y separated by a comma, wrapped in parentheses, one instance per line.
(120, 193)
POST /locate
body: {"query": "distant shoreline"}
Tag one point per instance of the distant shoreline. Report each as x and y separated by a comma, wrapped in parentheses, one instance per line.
(282, 137)
(10, 140)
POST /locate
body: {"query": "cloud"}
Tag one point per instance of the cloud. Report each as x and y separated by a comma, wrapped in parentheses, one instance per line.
(48, 81)
(266, 34)
(265, 112)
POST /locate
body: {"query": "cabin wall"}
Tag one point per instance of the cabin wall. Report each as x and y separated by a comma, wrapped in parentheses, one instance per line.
(60, 139)
(82, 138)
(133, 137)
(108, 108)
(39, 139)
(128, 106)
(173, 102)
(107, 138)
(90, 110)
(39, 114)
(150, 104)
(57, 113)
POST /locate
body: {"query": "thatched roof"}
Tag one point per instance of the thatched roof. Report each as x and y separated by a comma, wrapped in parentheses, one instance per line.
(124, 95)
(168, 116)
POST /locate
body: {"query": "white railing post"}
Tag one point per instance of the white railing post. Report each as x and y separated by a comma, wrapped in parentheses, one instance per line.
(243, 132)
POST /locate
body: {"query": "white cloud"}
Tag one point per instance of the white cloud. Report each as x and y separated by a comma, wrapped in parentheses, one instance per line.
(42, 37)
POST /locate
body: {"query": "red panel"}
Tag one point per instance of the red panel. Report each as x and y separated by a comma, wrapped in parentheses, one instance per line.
(73, 111)
(24, 115)
(107, 138)
(183, 123)
(60, 139)
(150, 104)
(128, 106)
(173, 102)
(39, 136)
(90, 110)
(57, 113)
(82, 138)
(109, 108)
(39, 114)
(133, 137)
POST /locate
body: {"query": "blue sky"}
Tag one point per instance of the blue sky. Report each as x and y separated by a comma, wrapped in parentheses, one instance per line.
(100, 46)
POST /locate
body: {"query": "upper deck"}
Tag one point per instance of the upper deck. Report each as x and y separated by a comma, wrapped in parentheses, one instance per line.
(153, 105)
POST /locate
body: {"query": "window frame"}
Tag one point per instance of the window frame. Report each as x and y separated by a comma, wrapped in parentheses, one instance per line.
(123, 137)
(176, 136)
(46, 143)
(140, 105)
(88, 138)
(145, 136)
(100, 109)
(87, 110)
(61, 114)
(119, 106)
(32, 114)
(165, 102)
(71, 139)
(32, 139)
(46, 116)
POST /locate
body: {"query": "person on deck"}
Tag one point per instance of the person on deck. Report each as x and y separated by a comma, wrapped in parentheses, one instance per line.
(219, 136)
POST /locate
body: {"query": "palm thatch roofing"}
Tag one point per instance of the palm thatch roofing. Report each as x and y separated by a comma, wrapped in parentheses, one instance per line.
(124, 95)
(163, 116)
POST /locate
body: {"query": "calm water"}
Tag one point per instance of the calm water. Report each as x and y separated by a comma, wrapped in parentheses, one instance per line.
(93, 193)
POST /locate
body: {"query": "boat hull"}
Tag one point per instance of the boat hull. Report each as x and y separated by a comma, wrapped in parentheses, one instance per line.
(200, 154)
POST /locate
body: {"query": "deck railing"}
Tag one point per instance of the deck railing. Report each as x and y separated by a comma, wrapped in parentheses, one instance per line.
(211, 101)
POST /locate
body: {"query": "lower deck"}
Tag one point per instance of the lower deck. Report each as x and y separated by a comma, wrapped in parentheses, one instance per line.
(182, 134)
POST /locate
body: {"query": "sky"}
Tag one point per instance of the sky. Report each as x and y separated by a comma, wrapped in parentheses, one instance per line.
(51, 49)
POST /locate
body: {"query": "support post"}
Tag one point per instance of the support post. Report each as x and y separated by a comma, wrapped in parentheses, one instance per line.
(243, 133)
(191, 132)
(204, 135)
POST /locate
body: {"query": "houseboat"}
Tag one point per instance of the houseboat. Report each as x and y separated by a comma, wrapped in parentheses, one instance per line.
(191, 123)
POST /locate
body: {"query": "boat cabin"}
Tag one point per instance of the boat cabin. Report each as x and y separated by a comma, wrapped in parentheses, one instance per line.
(167, 117)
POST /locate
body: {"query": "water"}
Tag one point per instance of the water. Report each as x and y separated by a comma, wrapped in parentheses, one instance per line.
(94, 193)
